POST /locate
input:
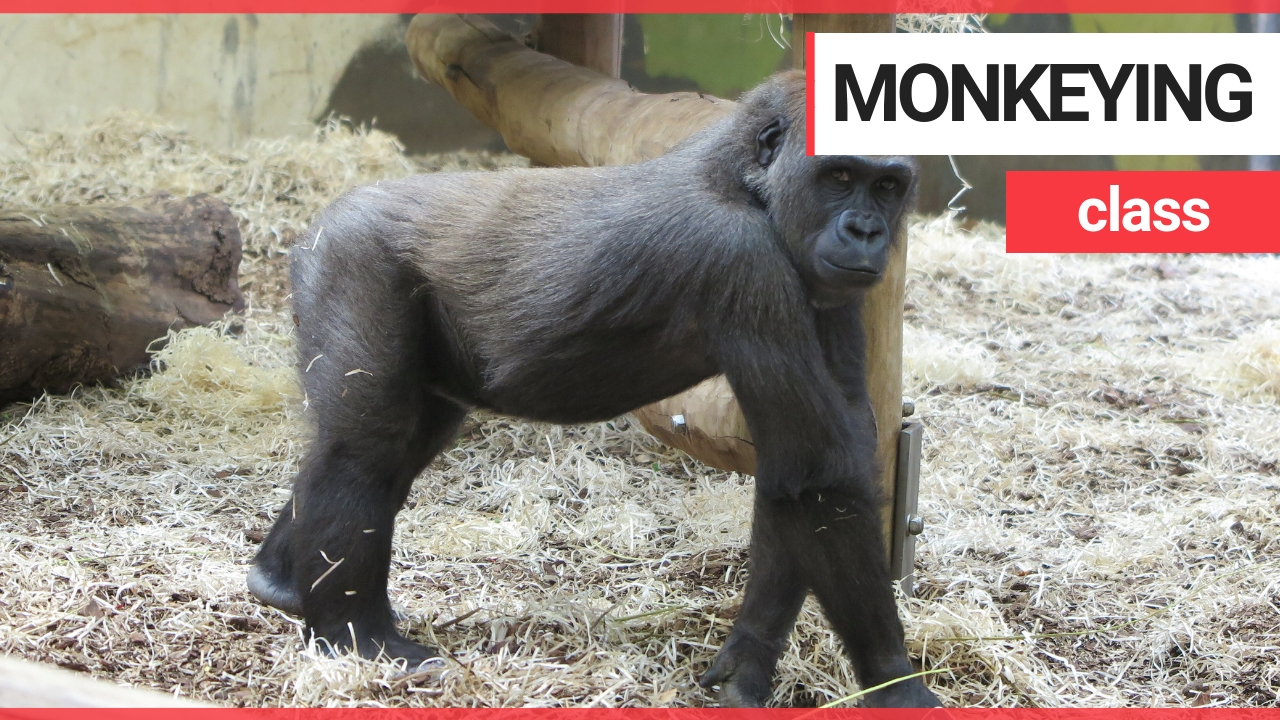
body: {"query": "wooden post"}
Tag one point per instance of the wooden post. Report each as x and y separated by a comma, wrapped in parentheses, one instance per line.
(882, 308)
(802, 25)
(590, 41)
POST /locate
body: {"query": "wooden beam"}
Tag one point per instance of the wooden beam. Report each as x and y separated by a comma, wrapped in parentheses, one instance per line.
(590, 41)
(549, 110)
(25, 684)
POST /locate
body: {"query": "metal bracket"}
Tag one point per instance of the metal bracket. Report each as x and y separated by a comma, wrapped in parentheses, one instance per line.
(907, 524)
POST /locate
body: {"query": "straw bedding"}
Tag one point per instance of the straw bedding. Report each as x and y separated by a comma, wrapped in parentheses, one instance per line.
(1100, 486)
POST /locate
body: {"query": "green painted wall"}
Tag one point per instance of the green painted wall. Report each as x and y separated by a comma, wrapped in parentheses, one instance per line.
(723, 54)
(1153, 23)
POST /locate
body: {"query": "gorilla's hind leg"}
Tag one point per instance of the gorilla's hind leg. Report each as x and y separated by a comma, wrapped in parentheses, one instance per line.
(329, 552)
(374, 350)
(271, 578)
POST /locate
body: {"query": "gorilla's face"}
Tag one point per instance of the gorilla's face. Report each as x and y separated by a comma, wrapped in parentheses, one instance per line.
(837, 213)
(858, 201)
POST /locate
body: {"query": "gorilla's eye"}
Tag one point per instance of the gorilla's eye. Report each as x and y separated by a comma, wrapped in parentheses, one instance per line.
(840, 175)
(887, 184)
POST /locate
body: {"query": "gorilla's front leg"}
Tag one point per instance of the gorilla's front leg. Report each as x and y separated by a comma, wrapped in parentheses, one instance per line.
(834, 536)
(775, 591)
(817, 508)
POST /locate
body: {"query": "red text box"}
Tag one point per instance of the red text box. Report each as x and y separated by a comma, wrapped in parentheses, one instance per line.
(1102, 212)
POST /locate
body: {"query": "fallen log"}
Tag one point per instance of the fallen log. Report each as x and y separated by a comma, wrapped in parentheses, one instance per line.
(557, 114)
(85, 290)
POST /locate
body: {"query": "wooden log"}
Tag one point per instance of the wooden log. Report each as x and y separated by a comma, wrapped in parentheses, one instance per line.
(590, 41)
(558, 114)
(706, 422)
(85, 290)
(31, 685)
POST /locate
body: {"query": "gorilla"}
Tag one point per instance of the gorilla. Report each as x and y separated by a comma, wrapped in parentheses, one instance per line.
(574, 295)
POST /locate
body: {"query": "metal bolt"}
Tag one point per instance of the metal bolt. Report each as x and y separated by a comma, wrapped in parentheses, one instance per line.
(908, 408)
(915, 524)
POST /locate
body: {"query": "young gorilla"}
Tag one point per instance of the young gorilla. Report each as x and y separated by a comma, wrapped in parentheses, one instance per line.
(575, 295)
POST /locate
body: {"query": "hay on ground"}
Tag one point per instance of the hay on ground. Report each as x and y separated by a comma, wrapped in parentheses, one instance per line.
(1100, 487)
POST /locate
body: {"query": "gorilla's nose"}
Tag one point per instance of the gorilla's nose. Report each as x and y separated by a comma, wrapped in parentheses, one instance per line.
(859, 226)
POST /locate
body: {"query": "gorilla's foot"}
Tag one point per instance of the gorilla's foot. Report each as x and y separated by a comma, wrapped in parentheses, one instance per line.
(382, 644)
(274, 588)
(744, 673)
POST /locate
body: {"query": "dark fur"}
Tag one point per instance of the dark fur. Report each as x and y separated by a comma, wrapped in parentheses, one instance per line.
(573, 295)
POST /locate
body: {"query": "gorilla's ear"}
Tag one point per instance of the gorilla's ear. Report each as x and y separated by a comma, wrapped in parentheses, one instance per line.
(769, 139)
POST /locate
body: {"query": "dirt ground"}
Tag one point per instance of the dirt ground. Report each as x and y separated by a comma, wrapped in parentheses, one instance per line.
(1100, 486)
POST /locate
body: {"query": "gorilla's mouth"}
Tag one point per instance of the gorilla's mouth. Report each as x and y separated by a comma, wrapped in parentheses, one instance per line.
(863, 270)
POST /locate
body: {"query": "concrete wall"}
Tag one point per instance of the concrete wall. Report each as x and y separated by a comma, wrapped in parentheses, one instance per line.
(222, 77)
